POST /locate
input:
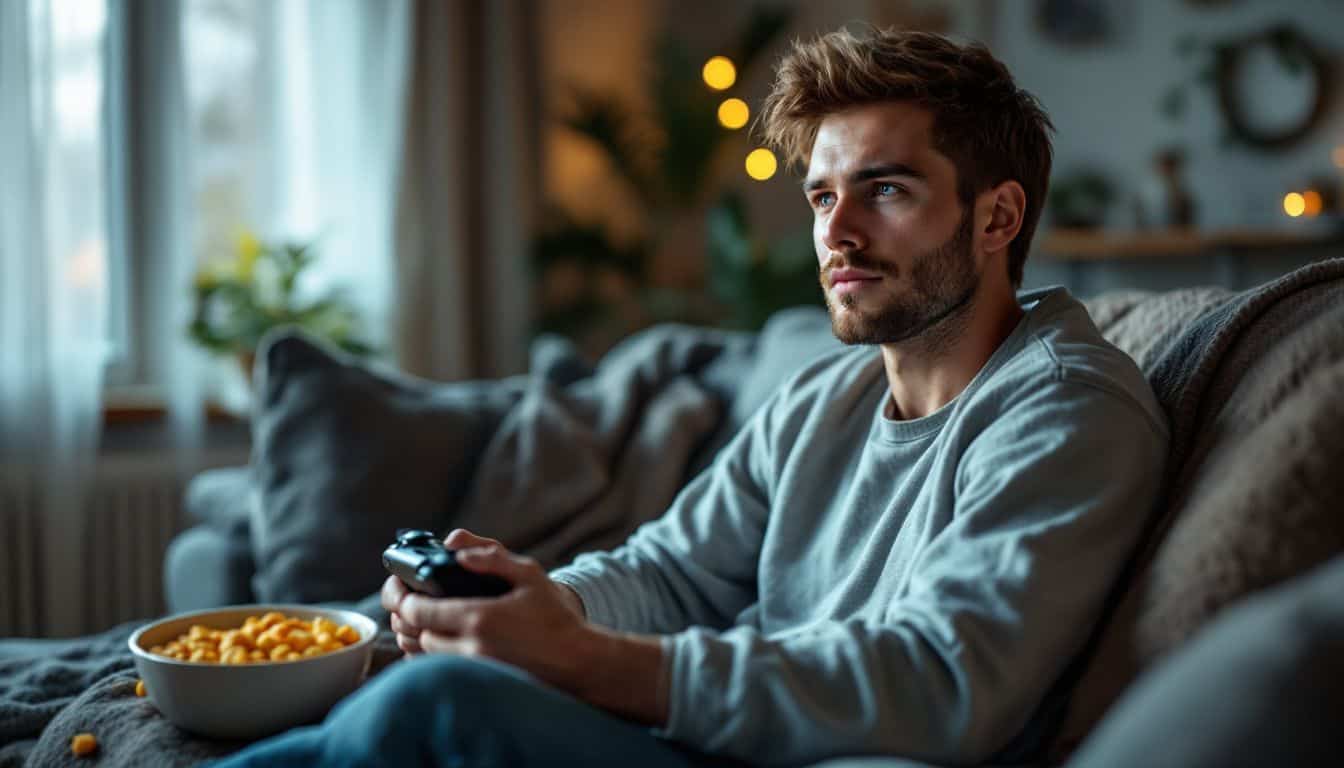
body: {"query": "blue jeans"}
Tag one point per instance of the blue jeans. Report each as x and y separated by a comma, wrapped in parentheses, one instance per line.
(443, 710)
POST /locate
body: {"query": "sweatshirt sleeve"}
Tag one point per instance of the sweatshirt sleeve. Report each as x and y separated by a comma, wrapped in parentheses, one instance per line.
(697, 563)
(1049, 503)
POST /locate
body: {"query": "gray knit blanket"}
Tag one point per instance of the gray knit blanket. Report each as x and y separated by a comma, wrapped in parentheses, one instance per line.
(1191, 345)
(1194, 347)
(51, 690)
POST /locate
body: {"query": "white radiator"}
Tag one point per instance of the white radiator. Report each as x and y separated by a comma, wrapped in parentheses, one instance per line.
(134, 511)
(131, 513)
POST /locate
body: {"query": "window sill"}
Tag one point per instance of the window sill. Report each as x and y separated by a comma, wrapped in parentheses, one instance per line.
(138, 421)
(117, 414)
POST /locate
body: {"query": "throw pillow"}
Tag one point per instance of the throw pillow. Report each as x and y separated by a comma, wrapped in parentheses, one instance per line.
(344, 454)
(1258, 686)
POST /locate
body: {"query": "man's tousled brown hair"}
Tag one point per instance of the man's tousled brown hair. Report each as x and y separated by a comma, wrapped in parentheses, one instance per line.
(990, 129)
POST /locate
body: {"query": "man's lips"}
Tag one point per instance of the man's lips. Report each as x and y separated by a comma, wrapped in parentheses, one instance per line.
(841, 276)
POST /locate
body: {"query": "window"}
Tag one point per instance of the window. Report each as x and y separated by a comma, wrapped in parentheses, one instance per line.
(224, 115)
(210, 112)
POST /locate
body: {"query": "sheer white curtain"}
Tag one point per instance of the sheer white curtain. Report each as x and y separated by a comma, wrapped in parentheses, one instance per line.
(107, 198)
(332, 100)
(53, 270)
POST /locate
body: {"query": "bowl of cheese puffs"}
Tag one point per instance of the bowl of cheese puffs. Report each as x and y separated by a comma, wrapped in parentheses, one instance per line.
(247, 671)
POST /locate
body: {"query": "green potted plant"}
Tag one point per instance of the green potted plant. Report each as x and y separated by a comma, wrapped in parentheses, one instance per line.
(238, 300)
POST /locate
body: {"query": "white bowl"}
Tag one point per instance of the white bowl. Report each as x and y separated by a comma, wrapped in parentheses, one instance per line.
(247, 701)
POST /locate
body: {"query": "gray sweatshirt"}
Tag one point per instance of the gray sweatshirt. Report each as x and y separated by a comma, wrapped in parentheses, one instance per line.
(841, 583)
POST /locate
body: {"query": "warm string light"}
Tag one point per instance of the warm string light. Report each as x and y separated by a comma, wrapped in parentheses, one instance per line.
(719, 73)
(1308, 202)
(1312, 203)
(1294, 204)
(733, 113)
(761, 164)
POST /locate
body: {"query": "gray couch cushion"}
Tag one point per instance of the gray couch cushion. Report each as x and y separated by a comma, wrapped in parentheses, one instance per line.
(206, 567)
(219, 497)
(344, 454)
(1259, 686)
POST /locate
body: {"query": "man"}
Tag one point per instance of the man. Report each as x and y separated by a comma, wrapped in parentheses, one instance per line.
(903, 549)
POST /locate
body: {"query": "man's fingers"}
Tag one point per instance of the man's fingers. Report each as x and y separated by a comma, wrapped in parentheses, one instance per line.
(409, 645)
(462, 538)
(403, 627)
(434, 642)
(392, 593)
(446, 615)
(500, 562)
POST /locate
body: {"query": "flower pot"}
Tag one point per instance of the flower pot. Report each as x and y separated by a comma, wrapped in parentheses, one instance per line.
(246, 360)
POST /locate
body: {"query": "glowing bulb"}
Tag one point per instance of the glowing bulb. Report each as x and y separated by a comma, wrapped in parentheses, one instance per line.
(719, 73)
(1294, 204)
(733, 113)
(761, 164)
(1312, 204)
(1338, 156)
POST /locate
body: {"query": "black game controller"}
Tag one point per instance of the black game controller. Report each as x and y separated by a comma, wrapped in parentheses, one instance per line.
(424, 565)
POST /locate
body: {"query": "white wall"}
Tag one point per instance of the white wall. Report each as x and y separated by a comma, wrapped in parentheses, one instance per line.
(1104, 101)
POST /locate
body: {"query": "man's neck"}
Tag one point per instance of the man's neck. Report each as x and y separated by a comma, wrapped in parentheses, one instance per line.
(927, 372)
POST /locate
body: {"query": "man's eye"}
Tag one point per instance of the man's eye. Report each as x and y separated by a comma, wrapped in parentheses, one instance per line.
(823, 199)
(887, 190)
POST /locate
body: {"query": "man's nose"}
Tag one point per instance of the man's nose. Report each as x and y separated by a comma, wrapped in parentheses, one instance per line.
(842, 229)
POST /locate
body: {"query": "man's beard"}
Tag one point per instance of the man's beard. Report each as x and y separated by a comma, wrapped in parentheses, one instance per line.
(942, 284)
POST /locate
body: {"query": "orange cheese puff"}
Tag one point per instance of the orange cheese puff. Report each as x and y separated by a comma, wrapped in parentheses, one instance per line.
(83, 744)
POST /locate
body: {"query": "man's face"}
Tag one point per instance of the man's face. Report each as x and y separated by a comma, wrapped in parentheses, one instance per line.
(894, 248)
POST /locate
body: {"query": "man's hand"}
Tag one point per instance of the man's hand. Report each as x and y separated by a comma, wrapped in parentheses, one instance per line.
(394, 591)
(538, 626)
(506, 628)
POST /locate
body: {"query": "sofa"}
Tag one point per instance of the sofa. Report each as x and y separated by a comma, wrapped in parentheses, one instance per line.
(1221, 644)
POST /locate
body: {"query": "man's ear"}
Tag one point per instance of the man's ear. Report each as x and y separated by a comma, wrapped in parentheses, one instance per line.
(999, 212)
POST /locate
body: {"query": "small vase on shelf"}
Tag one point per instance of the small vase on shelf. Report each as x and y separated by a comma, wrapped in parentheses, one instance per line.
(1164, 201)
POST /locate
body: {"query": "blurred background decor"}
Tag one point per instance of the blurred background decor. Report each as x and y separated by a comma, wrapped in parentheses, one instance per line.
(1165, 202)
(597, 287)
(1080, 200)
(1080, 23)
(1271, 85)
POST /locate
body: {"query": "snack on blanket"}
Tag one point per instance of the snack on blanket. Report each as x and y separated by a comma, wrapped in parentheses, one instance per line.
(269, 637)
(83, 744)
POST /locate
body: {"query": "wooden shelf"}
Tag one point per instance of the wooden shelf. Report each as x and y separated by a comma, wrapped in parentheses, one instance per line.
(1104, 245)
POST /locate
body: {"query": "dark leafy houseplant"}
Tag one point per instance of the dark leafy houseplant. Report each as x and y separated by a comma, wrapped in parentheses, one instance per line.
(238, 301)
(669, 172)
(1080, 200)
(753, 277)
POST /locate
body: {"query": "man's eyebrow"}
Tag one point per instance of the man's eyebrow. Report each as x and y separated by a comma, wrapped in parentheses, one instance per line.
(872, 172)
